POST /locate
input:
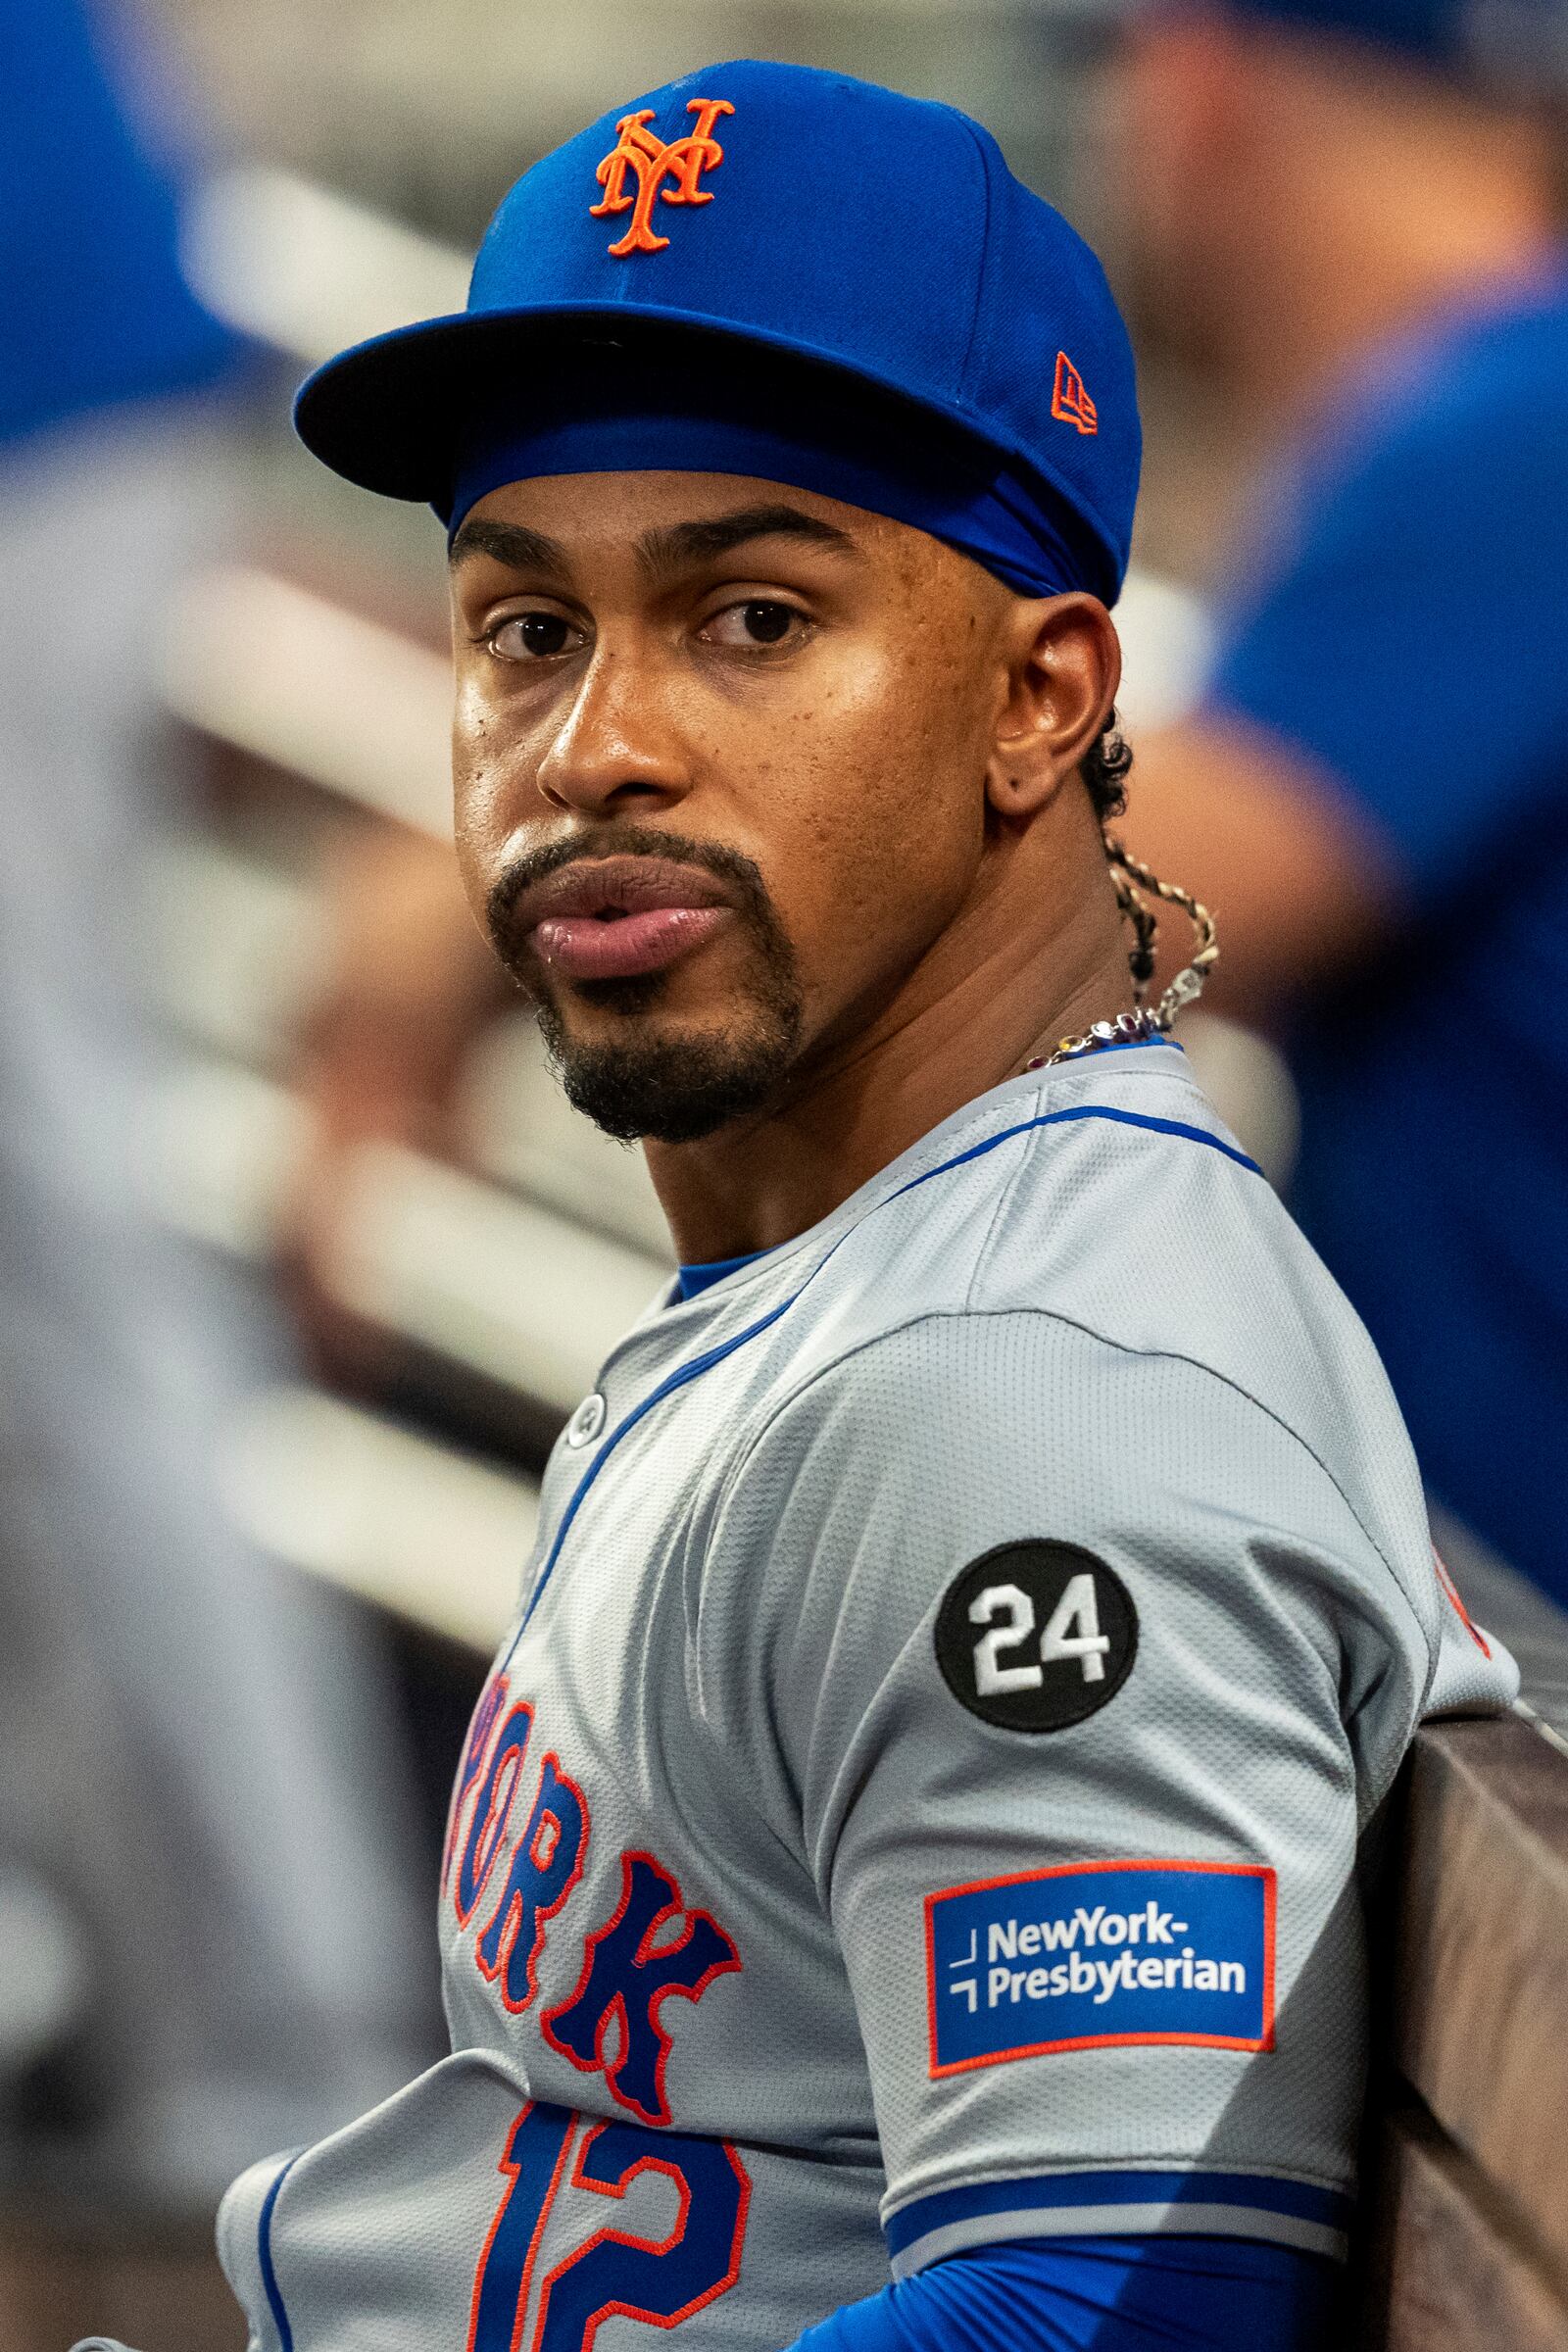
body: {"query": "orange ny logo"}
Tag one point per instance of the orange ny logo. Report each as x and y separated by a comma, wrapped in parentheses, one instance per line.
(639, 150)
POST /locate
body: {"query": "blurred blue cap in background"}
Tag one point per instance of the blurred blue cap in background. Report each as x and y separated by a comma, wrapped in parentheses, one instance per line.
(1512, 45)
(94, 310)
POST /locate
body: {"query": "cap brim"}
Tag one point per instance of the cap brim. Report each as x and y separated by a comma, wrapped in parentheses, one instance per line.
(389, 415)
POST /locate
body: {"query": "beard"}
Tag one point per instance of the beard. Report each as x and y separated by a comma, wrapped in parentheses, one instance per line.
(656, 1082)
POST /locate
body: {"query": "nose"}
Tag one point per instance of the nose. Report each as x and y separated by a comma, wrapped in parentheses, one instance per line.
(616, 749)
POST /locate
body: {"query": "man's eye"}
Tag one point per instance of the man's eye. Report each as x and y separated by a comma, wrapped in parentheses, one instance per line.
(761, 620)
(532, 636)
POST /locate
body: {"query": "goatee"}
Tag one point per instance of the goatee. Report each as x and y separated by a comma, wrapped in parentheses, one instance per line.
(652, 1082)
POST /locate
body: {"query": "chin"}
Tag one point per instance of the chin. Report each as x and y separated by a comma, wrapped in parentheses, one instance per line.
(669, 1084)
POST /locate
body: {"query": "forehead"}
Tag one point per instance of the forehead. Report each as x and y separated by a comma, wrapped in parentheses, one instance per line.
(592, 518)
(637, 497)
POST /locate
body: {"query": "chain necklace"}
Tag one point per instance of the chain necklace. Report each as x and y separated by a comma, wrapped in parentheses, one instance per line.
(1149, 1021)
(1127, 1029)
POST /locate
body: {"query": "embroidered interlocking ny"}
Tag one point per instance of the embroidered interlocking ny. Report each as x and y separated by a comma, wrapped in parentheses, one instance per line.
(640, 151)
(1070, 403)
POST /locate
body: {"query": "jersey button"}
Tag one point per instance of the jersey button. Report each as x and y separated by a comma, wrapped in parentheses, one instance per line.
(587, 1421)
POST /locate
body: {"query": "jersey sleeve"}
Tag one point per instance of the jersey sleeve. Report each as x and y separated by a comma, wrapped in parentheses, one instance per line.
(1407, 640)
(1078, 1682)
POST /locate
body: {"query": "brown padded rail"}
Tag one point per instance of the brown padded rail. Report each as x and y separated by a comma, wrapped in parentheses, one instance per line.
(1472, 2195)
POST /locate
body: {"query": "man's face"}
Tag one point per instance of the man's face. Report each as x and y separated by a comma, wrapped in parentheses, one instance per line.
(719, 751)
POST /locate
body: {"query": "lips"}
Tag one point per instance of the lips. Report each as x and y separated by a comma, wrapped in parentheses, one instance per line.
(615, 919)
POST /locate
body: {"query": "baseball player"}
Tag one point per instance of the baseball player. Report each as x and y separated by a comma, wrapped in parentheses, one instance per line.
(914, 1824)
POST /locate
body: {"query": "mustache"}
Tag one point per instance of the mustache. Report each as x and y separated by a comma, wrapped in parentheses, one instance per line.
(627, 840)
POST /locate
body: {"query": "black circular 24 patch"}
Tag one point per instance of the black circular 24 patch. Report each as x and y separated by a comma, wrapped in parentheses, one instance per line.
(1036, 1635)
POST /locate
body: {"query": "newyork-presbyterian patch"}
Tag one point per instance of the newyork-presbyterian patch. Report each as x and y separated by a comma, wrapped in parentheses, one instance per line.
(1100, 1953)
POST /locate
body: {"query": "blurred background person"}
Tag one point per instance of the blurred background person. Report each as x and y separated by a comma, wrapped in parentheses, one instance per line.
(1347, 214)
(207, 1942)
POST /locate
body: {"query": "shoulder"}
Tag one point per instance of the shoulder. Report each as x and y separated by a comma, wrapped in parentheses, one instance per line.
(1504, 366)
(1094, 1313)
(1451, 436)
(1082, 1327)
(1112, 1211)
(1413, 526)
(950, 1482)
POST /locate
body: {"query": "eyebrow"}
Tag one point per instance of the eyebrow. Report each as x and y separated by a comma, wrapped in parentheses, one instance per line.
(511, 544)
(660, 553)
(664, 552)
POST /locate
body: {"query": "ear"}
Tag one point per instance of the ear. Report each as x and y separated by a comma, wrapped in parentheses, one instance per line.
(1064, 670)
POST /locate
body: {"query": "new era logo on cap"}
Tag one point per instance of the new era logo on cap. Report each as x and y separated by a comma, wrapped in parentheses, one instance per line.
(1070, 403)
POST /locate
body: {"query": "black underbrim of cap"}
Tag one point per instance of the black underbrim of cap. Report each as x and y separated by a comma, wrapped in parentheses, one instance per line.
(390, 415)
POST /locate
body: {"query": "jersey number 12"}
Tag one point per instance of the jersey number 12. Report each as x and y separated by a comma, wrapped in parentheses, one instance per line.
(661, 2281)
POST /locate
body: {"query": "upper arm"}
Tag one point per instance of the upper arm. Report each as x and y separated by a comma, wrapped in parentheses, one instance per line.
(1182, 1755)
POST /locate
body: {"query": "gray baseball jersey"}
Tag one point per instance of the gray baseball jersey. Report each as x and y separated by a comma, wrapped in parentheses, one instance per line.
(919, 1802)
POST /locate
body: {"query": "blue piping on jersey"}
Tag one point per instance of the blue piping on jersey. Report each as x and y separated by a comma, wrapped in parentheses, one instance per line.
(678, 1380)
(264, 2250)
(1267, 2192)
(685, 1373)
(1086, 1110)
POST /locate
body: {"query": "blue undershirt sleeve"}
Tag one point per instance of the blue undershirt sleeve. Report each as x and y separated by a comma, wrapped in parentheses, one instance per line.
(1408, 639)
(1099, 2294)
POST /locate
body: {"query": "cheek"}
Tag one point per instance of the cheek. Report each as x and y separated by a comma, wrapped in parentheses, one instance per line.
(485, 759)
(471, 753)
(877, 809)
(472, 796)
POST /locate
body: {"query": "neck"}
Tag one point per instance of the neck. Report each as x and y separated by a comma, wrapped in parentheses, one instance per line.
(1002, 983)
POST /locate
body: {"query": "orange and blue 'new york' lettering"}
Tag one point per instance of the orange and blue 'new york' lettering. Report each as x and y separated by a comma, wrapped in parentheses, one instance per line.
(545, 1866)
(625, 1981)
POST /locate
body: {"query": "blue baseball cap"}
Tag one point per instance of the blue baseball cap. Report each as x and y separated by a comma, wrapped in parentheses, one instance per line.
(1518, 46)
(758, 224)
